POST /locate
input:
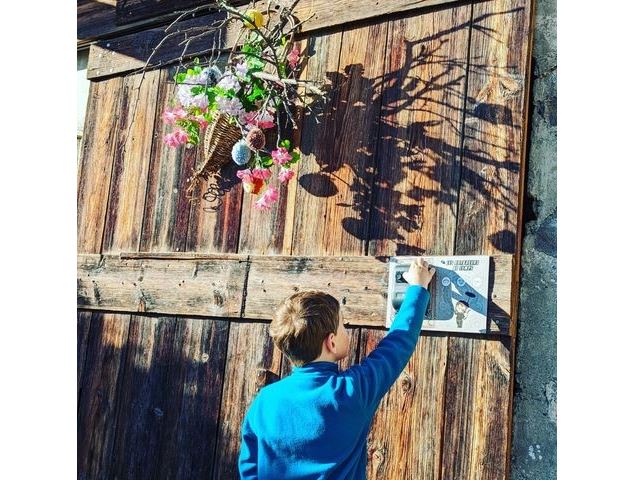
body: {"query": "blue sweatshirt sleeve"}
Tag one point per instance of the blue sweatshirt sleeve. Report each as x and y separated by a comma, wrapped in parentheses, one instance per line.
(248, 457)
(374, 376)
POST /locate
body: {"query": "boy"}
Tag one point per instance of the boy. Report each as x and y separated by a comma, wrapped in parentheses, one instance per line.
(313, 423)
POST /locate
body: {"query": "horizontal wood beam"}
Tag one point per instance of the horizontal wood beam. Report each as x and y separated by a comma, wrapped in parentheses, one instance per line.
(251, 286)
(131, 52)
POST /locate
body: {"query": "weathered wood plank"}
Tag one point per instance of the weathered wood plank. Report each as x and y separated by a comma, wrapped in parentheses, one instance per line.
(415, 191)
(250, 355)
(270, 232)
(406, 436)
(476, 431)
(131, 51)
(414, 211)
(105, 356)
(200, 407)
(212, 285)
(336, 173)
(188, 287)
(131, 161)
(173, 381)
(167, 208)
(494, 118)
(477, 421)
(95, 165)
(359, 283)
(83, 330)
(134, 10)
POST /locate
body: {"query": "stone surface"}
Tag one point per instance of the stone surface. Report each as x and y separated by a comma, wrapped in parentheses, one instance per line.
(534, 418)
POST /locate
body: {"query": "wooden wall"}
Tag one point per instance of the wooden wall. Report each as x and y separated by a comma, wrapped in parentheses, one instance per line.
(420, 152)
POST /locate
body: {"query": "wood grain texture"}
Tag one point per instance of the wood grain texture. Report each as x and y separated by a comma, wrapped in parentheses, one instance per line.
(105, 356)
(83, 331)
(475, 438)
(250, 355)
(416, 187)
(478, 401)
(270, 232)
(406, 436)
(131, 162)
(494, 117)
(169, 287)
(169, 398)
(95, 164)
(336, 173)
(167, 208)
(130, 51)
(414, 212)
(214, 285)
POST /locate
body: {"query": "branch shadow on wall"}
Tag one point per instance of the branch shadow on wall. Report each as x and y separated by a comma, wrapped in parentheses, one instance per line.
(434, 142)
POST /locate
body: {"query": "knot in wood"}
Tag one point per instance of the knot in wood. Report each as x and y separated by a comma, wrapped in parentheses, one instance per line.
(157, 412)
(405, 382)
(204, 357)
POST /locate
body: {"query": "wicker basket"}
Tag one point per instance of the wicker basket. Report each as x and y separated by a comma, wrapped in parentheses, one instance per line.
(220, 137)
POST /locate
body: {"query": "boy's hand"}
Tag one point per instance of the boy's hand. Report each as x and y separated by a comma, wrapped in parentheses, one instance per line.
(420, 273)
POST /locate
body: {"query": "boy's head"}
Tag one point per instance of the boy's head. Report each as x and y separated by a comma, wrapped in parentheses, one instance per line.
(308, 326)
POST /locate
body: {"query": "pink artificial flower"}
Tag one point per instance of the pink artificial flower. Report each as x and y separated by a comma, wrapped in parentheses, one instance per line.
(285, 175)
(268, 199)
(201, 121)
(253, 119)
(294, 56)
(172, 115)
(261, 173)
(176, 138)
(281, 156)
(252, 183)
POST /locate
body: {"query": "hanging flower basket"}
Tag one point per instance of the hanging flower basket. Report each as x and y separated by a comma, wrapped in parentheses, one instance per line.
(220, 137)
(237, 111)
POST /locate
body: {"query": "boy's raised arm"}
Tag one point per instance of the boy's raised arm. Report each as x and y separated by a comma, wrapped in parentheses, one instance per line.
(374, 376)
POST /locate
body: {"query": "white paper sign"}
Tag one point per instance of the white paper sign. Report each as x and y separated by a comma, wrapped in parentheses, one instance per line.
(458, 292)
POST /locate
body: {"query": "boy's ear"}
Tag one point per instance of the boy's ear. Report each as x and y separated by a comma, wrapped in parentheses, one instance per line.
(330, 343)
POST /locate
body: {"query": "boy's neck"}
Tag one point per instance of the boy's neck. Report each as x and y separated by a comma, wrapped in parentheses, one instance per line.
(325, 357)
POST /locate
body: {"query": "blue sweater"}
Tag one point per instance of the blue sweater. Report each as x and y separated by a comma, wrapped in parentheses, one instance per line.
(313, 423)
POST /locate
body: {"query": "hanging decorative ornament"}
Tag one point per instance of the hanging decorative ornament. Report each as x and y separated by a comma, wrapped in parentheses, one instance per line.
(256, 139)
(256, 18)
(241, 154)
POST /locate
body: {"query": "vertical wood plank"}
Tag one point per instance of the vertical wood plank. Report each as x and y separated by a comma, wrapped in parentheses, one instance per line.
(132, 158)
(250, 353)
(270, 232)
(478, 387)
(333, 200)
(476, 431)
(95, 165)
(405, 438)
(494, 118)
(83, 330)
(415, 191)
(105, 356)
(172, 380)
(167, 208)
(204, 350)
(414, 211)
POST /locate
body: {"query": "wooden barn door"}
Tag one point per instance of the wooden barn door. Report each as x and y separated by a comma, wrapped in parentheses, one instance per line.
(420, 152)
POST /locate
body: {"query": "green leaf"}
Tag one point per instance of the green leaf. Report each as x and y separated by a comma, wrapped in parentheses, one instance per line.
(286, 143)
(180, 77)
(295, 157)
(266, 162)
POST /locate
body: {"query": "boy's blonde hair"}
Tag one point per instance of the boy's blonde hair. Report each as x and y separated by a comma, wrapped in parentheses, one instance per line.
(302, 322)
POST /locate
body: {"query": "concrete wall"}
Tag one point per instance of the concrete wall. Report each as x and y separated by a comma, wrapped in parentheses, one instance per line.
(534, 432)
